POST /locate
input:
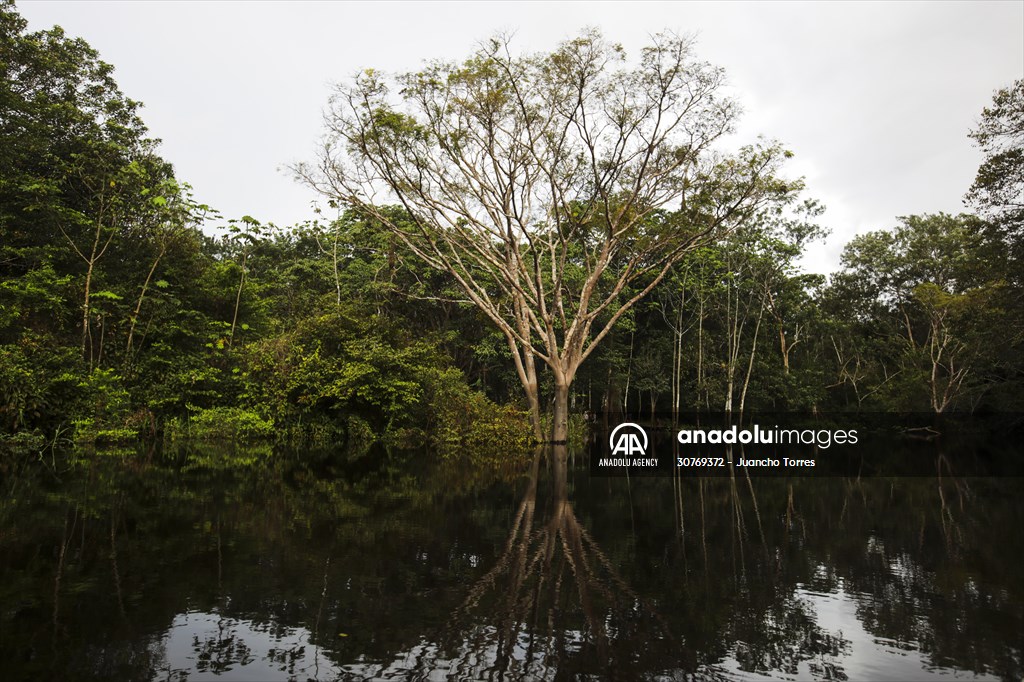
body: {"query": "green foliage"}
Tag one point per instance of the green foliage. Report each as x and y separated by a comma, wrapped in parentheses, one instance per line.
(927, 329)
(105, 417)
(461, 422)
(221, 423)
(999, 185)
(128, 309)
(39, 384)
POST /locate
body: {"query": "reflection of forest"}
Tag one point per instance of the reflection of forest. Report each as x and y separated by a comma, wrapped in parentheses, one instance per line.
(503, 576)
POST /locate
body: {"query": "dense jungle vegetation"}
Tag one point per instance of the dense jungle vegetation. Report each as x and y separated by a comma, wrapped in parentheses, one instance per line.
(129, 308)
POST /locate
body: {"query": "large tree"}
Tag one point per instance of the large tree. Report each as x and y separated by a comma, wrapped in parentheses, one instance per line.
(998, 189)
(556, 189)
(77, 169)
(998, 195)
(924, 293)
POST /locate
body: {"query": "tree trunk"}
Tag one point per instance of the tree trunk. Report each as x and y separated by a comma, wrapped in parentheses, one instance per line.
(732, 347)
(86, 336)
(334, 257)
(533, 396)
(103, 333)
(560, 421)
(700, 355)
(629, 369)
(750, 365)
(138, 304)
(677, 364)
(785, 351)
(526, 368)
(94, 255)
(533, 402)
(238, 302)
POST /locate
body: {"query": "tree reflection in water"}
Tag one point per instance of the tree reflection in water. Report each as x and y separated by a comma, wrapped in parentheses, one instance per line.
(554, 606)
(552, 596)
(129, 569)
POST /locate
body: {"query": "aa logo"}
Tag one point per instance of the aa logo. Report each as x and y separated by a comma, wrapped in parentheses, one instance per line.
(628, 439)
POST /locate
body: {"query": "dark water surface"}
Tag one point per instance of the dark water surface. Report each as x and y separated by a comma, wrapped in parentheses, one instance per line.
(240, 566)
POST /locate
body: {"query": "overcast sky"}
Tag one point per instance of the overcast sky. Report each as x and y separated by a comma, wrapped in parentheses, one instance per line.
(875, 99)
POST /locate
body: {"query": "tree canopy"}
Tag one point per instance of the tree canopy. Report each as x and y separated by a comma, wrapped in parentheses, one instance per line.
(557, 189)
(494, 216)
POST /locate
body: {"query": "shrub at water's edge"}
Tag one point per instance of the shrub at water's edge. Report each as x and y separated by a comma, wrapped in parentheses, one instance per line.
(233, 424)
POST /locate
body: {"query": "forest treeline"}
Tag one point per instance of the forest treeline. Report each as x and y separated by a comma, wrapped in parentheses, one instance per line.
(128, 308)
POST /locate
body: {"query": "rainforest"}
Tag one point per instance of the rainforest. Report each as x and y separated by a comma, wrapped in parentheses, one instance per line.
(354, 447)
